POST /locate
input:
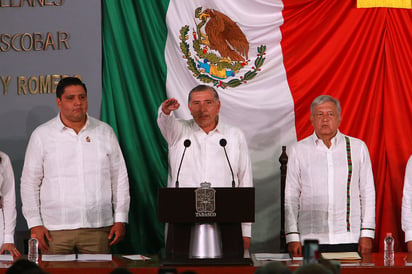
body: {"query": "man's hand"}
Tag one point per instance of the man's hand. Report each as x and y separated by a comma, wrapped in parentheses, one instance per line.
(246, 242)
(11, 248)
(365, 245)
(42, 235)
(117, 233)
(170, 105)
(409, 245)
(295, 249)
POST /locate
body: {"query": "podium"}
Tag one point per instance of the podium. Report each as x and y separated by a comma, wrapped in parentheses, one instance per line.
(181, 208)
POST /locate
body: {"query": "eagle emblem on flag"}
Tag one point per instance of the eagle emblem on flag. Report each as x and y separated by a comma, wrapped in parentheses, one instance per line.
(220, 50)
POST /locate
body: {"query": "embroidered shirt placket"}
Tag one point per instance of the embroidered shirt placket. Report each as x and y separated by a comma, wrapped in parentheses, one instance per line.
(331, 190)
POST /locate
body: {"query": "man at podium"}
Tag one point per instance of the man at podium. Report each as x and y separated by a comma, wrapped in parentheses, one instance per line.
(198, 147)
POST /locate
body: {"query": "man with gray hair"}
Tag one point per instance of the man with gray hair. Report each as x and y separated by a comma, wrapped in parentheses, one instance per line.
(205, 161)
(330, 193)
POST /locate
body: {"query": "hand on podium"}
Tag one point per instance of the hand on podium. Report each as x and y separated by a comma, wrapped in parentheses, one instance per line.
(295, 249)
(246, 242)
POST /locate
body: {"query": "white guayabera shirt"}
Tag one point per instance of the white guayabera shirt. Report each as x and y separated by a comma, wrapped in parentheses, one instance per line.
(8, 200)
(322, 200)
(407, 202)
(205, 159)
(71, 180)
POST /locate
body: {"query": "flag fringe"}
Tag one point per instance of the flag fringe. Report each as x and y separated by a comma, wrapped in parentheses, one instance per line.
(405, 4)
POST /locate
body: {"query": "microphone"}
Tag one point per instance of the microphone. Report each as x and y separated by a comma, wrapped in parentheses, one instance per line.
(186, 143)
(223, 144)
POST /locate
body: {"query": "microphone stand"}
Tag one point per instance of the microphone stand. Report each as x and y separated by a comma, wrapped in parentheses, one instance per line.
(223, 143)
(186, 143)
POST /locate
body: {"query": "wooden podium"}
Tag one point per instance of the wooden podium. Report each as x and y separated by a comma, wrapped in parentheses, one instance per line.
(178, 208)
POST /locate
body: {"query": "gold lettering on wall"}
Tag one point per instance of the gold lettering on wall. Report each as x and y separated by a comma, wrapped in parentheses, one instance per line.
(29, 42)
(55, 78)
(5, 81)
(30, 3)
(44, 84)
(34, 41)
(22, 85)
(63, 39)
(33, 85)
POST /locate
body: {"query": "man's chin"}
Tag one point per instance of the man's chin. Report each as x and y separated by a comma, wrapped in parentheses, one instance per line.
(78, 118)
(202, 121)
(326, 132)
(203, 124)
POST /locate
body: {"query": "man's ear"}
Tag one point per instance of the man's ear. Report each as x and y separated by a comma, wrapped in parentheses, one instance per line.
(190, 109)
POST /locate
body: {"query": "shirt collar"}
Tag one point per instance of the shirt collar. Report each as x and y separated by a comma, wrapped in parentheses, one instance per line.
(335, 140)
(219, 127)
(62, 127)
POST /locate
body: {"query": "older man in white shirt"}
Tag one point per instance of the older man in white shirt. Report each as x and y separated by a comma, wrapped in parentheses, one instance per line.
(74, 185)
(407, 205)
(330, 193)
(205, 160)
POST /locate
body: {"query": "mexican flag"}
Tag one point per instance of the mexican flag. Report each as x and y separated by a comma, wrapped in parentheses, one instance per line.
(252, 85)
(287, 53)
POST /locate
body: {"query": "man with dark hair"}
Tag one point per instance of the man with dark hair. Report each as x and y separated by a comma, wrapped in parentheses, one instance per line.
(330, 193)
(74, 185)
(68, 81)
(205, 161)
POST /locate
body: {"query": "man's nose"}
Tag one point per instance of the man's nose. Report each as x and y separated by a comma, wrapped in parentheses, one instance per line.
(325, 118)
